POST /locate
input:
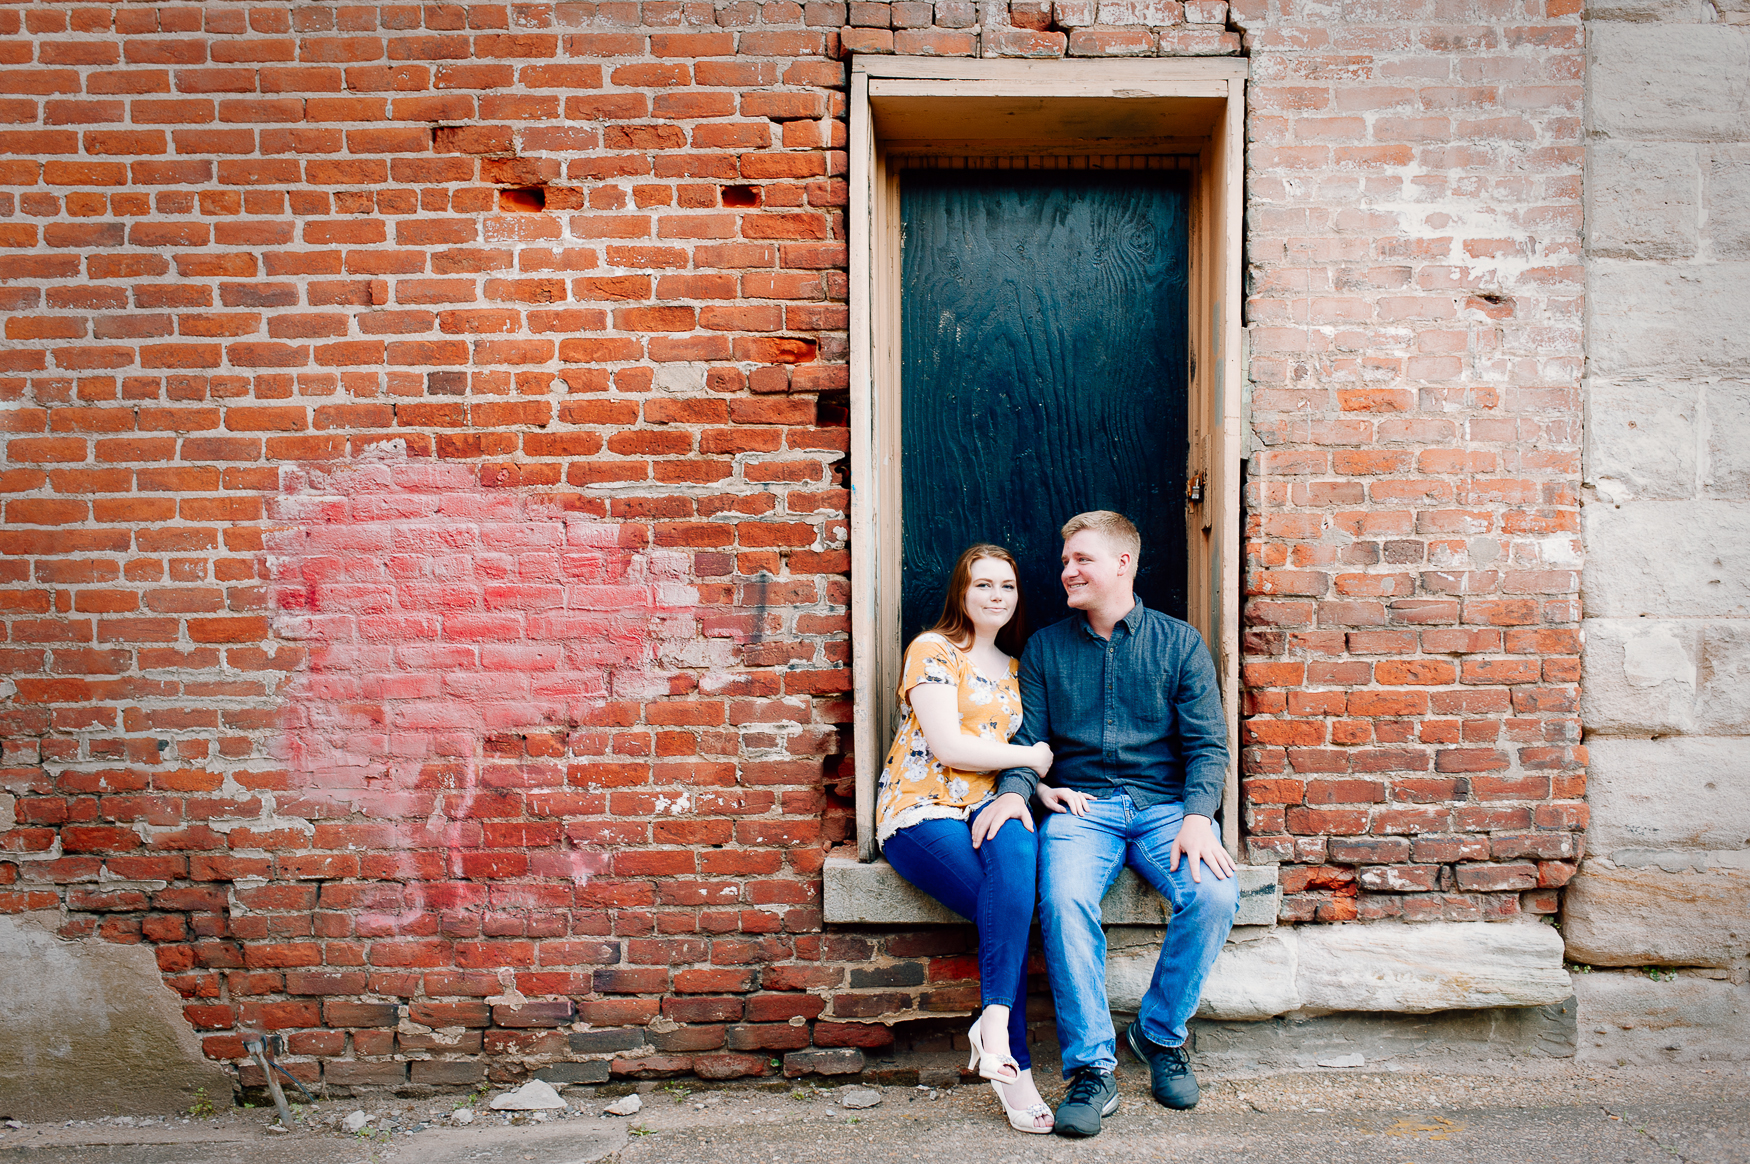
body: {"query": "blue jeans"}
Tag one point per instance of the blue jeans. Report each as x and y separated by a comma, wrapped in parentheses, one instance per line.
(993, 885)
(1080, 858)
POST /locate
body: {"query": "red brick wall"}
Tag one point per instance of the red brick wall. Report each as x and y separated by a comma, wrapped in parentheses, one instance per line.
(425, 584)
(1411, 725)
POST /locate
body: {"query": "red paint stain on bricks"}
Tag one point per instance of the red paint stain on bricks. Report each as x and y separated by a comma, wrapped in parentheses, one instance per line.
(466, 646)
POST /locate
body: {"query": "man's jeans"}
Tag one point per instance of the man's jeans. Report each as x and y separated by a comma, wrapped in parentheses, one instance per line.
(1079, 858)
(993, 886)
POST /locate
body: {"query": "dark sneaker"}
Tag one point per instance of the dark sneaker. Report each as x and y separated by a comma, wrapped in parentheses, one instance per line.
(1093, 1095)
(1169, 1069)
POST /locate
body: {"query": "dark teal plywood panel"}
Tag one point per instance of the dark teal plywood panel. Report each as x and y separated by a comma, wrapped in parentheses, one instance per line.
(1044, 373)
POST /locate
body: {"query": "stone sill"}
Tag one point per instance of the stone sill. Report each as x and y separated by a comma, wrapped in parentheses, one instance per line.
(873, 894)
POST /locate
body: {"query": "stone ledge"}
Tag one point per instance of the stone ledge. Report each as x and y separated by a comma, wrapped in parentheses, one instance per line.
(873, 894)
(1390, 967)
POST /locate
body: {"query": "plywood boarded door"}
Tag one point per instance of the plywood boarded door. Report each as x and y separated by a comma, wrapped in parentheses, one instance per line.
(1043, 341)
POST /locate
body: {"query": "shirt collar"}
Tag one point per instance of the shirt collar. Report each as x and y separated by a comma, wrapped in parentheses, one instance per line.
(1129, 622)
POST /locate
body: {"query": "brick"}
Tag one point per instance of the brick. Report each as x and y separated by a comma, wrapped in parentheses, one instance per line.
(836, 1061)
(534, 1014)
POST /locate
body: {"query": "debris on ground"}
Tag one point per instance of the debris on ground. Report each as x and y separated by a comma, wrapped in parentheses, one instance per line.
(629, 1105)
(535, 1095)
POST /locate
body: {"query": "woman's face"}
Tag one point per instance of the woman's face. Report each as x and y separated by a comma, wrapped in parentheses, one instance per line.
(991, 594)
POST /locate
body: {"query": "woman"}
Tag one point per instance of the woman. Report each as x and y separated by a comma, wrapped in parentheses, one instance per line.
(938, 818)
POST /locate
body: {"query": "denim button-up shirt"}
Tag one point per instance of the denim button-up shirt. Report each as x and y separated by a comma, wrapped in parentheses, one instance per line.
(1140, 712)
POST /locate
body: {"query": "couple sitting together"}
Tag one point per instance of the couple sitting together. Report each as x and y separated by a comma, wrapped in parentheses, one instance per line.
(1122, 741)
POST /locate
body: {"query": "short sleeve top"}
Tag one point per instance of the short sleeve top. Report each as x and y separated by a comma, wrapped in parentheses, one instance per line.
(914, 784)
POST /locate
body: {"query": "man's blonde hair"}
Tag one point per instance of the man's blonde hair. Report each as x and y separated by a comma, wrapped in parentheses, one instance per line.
(1117, 529)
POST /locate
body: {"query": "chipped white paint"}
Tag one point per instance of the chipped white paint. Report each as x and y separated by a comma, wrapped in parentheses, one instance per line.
(1653, 656)
(680, 804)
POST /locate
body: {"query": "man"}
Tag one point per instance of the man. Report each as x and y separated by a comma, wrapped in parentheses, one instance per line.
(1127, 699)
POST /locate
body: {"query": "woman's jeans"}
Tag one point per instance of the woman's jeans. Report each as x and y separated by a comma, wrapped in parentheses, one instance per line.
(1079, 858)
(994, 886)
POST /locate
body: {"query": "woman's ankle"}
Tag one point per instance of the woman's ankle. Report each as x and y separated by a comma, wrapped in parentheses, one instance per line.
(1022, 1087)
(993, 1030)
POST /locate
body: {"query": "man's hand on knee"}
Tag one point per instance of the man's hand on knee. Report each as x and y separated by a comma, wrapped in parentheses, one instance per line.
(1197, 842)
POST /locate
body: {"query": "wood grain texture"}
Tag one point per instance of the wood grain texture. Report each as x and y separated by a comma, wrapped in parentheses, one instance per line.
(1043, 373)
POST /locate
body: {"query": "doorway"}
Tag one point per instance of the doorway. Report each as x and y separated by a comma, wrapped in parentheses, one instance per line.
(1008, 118)
(1043, 324)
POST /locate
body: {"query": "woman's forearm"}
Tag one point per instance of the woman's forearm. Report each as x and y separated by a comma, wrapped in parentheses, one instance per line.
(937, 709)
(971, 754)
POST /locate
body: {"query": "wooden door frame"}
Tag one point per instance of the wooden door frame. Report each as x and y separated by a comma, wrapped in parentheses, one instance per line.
(1093, 113)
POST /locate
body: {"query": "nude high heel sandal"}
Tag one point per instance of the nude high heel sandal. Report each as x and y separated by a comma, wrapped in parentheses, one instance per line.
(1023, 1119)
(997, 1068)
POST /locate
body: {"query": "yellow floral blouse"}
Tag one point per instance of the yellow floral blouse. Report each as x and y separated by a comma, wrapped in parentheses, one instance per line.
(914, 784)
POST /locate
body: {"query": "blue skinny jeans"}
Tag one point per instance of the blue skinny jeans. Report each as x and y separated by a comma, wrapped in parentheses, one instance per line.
(994, 885)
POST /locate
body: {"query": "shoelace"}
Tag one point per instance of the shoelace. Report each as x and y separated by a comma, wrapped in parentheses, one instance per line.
(1178, 1061)
(1087, 1084)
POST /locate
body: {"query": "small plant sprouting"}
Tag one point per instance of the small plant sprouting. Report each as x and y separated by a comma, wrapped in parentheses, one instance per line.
(642, 1130)
(202, 1107)
(678, 1092)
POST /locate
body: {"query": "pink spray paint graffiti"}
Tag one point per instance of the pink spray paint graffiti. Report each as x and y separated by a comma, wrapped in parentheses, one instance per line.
(470, 651)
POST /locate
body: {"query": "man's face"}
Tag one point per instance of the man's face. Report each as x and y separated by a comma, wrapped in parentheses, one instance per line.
(1093, 573)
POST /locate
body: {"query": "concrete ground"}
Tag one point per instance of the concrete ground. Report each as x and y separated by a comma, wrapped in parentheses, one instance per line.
(1559, 1111)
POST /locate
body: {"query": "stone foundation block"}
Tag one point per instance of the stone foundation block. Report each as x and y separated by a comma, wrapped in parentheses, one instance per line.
(1668, 81)
(1643, 199)
(1626, 1016)
(1648, 917)
(1687, 797)
(1643, 541)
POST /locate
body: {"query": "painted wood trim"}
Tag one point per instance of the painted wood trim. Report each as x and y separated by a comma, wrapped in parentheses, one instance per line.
(864, 543)
(887, 398)
(1021, 87)
(1043, 77)
(1233, 423)
(1091, 151)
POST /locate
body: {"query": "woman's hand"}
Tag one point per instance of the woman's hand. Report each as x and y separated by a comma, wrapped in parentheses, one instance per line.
(1041, 763)
(1063, 799)
(1009, 806)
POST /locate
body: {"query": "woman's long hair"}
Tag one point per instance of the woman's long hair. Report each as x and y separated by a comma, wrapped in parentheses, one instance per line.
(956, 627)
